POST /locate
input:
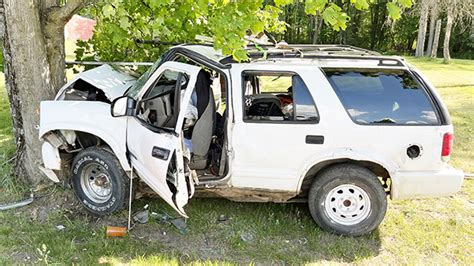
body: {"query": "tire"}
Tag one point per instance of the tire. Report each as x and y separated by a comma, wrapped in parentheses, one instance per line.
(99, 181)
(347, 199)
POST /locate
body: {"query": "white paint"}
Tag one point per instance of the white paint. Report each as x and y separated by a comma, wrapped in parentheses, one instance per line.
(50, 156)
(141, 140)
(422, 184)
(86, 116)
(49, 174)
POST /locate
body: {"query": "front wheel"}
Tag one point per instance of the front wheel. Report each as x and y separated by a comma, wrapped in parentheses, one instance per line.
(347, 199)
(99, 181)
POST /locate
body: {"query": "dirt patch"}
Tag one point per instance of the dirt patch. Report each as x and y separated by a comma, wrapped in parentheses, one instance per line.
(20, 257)
(203, 246)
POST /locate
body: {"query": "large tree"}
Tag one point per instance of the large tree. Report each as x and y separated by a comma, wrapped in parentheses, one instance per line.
(34, 55)
(422, 24)
(457, 10)
(34, 44)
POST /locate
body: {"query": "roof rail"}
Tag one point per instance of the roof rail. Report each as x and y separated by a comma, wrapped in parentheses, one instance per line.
(382, 60)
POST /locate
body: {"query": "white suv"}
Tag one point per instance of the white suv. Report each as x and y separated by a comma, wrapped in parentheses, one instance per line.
(337, 126)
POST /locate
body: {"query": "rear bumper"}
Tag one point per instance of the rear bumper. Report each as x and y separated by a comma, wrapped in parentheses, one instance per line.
(422, 184)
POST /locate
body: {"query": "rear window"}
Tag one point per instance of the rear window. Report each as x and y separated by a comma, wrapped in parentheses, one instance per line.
(374, 96)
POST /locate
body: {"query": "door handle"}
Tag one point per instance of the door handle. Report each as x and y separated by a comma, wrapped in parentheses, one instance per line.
(312, 139)
(160, 153)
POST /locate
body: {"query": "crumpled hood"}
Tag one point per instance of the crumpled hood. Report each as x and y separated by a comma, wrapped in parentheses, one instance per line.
(111, 81)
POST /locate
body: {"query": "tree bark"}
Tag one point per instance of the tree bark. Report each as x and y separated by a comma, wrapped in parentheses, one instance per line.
(420, 41)
(433, 18)
(27, 78)
(447, 35)
(317, 27)
(434, 50)
(34, 71)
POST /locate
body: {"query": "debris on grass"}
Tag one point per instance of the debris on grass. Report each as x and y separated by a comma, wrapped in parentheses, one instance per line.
(247, 236)
(165, 218)
(181, 225)
(222, 218)
(162, 217)
(116, 231)
(141, 217)
(60, 227)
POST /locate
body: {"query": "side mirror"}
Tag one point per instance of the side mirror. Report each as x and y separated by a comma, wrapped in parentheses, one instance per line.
(122, 106)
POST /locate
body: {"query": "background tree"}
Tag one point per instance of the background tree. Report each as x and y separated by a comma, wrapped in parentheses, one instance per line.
(433, 18)
(457, 10)
(121, 22)
(434, 48)
(452, 9)
(422, 24)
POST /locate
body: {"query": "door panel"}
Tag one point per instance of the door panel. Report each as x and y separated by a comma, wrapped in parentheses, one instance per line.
(270, 147)
(151, 149)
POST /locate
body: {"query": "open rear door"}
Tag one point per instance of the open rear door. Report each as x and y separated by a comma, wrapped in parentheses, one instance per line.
(154, 136)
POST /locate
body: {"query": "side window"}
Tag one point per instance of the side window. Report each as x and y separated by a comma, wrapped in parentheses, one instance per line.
(159, 106)
(274, 96)
(376, 96)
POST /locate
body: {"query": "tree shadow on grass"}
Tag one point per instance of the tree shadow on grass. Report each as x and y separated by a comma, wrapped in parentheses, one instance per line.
(226, 231)
(218, 230)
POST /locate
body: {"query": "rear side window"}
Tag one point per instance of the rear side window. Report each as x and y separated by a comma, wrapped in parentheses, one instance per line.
(374, 96)
(277, 97)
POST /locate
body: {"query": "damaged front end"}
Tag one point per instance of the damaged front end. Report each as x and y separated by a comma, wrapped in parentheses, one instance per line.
(104, 83)
(68, 124)
(53, 142)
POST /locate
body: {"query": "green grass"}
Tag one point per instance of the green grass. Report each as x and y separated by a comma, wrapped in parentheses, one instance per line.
(458, 73)
(9, 188)
(430, 231)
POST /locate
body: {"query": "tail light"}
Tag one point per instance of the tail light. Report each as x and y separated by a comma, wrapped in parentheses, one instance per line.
(447, 146)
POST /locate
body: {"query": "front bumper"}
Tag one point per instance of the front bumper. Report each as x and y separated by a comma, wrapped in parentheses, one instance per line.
(422, 184)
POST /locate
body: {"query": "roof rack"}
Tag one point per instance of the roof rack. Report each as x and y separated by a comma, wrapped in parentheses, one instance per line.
(316, 51)
(329, 48)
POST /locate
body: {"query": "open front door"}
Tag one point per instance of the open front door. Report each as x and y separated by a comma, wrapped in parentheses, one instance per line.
(154, 136)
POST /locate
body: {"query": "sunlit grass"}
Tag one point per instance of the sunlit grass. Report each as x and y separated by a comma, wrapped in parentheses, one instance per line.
(459, 72)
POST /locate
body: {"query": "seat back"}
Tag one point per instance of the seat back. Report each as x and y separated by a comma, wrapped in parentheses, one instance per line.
(205, 125)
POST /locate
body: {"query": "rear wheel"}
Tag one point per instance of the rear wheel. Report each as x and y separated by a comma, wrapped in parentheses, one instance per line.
(347, 199)
(99, 181)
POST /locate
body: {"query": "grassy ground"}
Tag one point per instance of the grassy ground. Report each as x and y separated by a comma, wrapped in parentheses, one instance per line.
(431, 231)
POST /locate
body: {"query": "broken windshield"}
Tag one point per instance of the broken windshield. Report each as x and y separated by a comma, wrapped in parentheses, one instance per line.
(134, 90)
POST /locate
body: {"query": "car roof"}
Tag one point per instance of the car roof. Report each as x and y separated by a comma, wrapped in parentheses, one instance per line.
(323, 55)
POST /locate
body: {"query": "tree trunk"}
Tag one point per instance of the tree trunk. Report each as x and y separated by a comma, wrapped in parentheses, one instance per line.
(471, 32)
(28, 81)
(53, 29)
(34, 71)
(374, 17)
(317, 27)
(447, 35)
(433, 18)
(434, 50)
(420, 41)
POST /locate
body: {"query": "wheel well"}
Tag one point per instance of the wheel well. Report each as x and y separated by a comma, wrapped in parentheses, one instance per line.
(86, 140)
(77, 141)
(313, 172)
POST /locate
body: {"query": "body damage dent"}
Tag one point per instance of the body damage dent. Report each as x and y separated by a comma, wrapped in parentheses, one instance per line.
(57, 115)
(112, 82)
(246, 194)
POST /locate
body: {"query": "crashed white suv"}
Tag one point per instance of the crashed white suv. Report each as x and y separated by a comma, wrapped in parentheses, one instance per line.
(337, 126)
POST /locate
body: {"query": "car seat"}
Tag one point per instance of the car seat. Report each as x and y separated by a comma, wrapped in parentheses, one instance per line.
(205, 124)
